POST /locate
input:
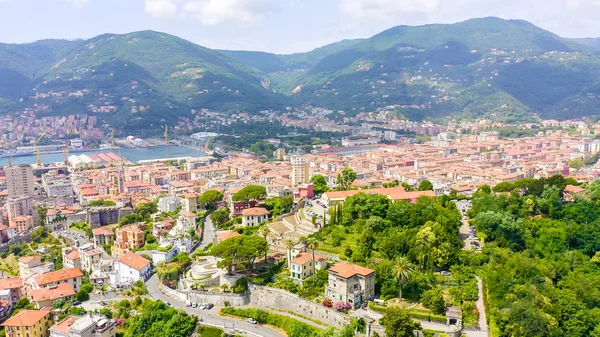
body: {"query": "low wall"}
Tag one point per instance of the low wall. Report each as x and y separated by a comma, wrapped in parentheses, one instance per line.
(218, 298)
(265, 297)
(172, 293)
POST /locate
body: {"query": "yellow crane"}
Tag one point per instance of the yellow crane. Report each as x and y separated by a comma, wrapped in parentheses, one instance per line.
(112, 137)
(66, 154)
(36, 150)
(166, 134)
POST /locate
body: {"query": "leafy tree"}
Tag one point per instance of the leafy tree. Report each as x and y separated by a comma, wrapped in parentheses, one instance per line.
(391, 184)
(320, 184)
(425, 185)
(576, 164)
(504, 187)
(434, 300)
(593, 190)
(397, 323)
(407, 187)
(220, 216)
(239, 249)
(251, 192)
(101, 202)
(364, 206)
(289, 244)
(41, 213)
(345, 179)
(210, 199)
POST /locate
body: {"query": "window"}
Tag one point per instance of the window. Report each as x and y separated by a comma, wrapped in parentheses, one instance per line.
(340, 297)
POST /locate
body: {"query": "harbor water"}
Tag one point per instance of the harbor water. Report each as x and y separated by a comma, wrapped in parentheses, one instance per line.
(132, 154)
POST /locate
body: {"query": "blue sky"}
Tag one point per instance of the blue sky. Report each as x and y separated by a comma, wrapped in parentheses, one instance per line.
(282, 26)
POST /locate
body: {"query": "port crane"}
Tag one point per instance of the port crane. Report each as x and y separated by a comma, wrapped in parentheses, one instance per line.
(112, 137)
(66, 154)
(36, 150)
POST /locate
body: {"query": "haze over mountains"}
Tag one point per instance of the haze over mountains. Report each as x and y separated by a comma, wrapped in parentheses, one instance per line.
(504, 69)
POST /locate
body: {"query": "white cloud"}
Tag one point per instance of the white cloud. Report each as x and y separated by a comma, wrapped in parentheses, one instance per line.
(77, 3)
(211, 12)
(160, 8)
(387, 9)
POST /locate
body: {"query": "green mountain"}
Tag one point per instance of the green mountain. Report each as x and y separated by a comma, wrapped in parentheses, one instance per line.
(138, 80)
(507, 70)
(593, 42)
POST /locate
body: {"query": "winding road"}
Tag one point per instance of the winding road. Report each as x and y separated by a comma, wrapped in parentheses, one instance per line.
(210, 316)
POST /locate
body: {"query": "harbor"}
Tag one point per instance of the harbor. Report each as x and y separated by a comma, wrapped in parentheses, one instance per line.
(132, 154)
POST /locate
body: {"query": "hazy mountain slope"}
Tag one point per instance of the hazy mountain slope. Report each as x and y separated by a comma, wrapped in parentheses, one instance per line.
(507, 70)
(593, 42)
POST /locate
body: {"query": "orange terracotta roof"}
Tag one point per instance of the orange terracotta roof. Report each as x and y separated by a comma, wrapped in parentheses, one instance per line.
(63, 327)
(305, 257)
(27, 259)
(574, 189)
(103, 231)
(134, 260)
(73, 255)
(50, 294)
(228, 235)
(27, 318)
(255, 211)
(11, 283)
(346, 270)
(57, 275)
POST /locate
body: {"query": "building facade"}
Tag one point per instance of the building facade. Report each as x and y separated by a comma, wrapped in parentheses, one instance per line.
(300, 174)
(19, 180)
(350, 283)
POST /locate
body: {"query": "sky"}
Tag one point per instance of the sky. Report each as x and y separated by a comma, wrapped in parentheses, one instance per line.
(280, 26)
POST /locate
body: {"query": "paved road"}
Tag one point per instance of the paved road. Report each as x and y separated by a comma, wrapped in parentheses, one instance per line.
(211, 316)
(481, 306)
(74, 235)
(208, 232)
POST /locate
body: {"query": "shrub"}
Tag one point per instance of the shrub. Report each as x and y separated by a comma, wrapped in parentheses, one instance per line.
(327, 302)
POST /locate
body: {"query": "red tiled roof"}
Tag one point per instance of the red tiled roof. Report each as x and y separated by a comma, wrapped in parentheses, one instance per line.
(346, 270)
(57, 275)
(27, 318)
(50, 294)
(134, 261)
(255, 211)
(11, 283)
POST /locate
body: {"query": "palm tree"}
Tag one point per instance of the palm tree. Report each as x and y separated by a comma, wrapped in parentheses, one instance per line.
(312, 244)
(289, 243)
(264, 232)
(403, 269)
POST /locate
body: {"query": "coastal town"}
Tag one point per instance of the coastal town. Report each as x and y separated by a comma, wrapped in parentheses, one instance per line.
(237, 231)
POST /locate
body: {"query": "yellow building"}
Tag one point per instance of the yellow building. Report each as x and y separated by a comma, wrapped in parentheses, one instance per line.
(32, 323)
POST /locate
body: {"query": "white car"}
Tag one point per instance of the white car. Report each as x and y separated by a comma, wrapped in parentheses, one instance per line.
(252, 321)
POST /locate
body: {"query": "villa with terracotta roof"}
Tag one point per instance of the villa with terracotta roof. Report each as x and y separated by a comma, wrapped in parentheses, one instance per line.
(571, 191)
(302, 266)
(103, 236)
(128, 237)
(350, 283)
(44, 297)
(32, 323)
(129, 269)
(254, 216)
(72, 276)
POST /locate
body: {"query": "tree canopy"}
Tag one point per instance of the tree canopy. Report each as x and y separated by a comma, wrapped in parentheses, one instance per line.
(239, 250)
(251, 192)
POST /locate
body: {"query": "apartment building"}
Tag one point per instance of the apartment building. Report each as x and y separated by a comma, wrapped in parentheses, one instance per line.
(22, 223)
(103, 236)
(350, 283)
(29, 323)
(300, 174)
(19, 180)
(128, 237)
(70, 276)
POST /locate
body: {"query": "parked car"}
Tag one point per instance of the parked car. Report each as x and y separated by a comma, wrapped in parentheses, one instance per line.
(252, 321)
(445, 273)
(475, 243)
(188, 303)
(194, 305)
(169, 304)
(77, 303)
(209, 306)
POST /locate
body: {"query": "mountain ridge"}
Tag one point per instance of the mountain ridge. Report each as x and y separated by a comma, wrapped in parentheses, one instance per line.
(506, 70)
